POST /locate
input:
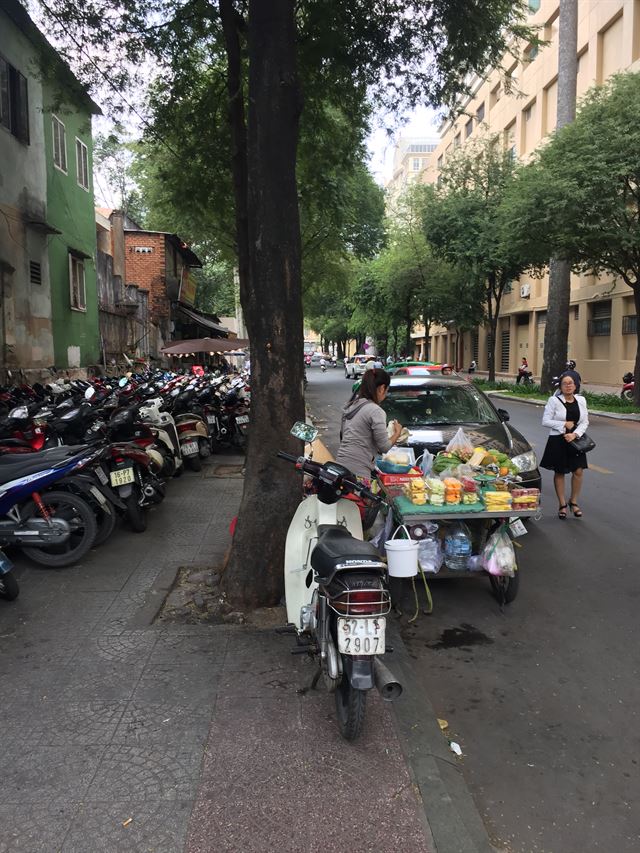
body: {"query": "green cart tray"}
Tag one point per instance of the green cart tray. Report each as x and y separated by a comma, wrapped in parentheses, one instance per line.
(406, 507)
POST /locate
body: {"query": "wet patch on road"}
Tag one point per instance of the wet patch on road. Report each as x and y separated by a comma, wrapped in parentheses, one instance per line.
(463, 637)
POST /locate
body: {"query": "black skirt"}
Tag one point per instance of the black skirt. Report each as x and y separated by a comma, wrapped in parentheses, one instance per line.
(558, 456)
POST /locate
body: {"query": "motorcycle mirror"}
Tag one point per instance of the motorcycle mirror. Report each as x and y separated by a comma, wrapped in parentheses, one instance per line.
(306, 432)
(90, 393)
(123, 382)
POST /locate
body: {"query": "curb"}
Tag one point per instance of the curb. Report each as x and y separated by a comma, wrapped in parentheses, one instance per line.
(451, 813)
(531, 402)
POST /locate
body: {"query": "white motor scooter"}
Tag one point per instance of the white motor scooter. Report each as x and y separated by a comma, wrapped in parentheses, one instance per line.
(336, 589)
(167, 440)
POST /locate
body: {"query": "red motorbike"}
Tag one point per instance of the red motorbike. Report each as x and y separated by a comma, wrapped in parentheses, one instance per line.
(628, 386)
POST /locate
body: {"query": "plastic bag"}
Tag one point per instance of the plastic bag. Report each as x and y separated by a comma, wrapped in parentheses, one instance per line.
(498, 556)
(426, 463)
(461, 444)
(430, 555)
(383, 534)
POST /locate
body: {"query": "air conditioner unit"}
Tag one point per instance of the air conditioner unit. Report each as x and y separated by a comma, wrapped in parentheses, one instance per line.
(525, 291)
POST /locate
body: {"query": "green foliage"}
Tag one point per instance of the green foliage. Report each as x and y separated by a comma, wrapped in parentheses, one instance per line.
(580, 197)
(216, 293)
(595, 402)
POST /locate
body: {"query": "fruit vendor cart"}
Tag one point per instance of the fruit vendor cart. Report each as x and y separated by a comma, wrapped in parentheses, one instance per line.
(416, 521)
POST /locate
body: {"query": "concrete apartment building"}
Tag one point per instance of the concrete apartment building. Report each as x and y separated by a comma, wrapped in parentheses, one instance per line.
(410, 159)
(602, 319)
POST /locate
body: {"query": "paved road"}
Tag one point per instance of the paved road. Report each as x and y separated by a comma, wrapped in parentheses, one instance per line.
(544, 699)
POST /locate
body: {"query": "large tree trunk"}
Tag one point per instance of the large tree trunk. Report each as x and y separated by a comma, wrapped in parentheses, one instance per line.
(556, 333)
(492, 317)
(272, 308)
(636, 372)
(232, 24)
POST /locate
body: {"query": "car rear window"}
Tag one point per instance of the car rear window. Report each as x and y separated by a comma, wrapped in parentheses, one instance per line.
(459, 404)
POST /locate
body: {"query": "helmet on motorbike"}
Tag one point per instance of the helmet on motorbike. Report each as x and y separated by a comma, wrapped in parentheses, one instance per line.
(231, 398)
(571, 365)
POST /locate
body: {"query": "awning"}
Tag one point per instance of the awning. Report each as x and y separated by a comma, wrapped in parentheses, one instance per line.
(203, 320)
(210, 345)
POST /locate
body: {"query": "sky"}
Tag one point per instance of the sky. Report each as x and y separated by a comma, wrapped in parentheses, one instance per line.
(422, 121)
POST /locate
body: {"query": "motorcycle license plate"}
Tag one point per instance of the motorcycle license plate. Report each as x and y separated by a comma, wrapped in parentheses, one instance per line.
(363, 635)
(211, 419)
(190, 448)
(122, 477)
(242, 419)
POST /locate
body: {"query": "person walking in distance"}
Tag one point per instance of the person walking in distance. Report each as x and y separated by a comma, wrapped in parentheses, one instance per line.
(567, 417)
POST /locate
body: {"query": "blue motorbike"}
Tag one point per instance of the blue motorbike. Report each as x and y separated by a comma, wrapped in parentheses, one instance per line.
(54, 527)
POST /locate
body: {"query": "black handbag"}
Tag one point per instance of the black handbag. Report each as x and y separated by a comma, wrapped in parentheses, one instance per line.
(583, 444)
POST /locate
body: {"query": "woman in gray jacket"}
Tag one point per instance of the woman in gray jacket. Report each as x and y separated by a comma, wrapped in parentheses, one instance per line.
(567, 418)
(363, 435)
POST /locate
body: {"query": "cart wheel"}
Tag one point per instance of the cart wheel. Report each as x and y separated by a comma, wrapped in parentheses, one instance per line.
(505, 588)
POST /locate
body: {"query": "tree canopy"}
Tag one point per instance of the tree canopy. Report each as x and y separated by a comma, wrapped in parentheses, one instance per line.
(580, 197)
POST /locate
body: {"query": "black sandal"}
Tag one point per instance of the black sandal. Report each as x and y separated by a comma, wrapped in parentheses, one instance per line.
(575, 509)
(562, 511)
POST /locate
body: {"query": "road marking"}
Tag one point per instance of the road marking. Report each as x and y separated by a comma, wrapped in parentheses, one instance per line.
(600, 470)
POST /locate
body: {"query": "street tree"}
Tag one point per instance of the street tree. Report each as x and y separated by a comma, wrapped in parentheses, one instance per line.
(344, 46)
(466, 221)
(580, 198)
(556, 330)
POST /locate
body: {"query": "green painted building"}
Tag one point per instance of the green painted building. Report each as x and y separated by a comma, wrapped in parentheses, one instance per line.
(67, 112)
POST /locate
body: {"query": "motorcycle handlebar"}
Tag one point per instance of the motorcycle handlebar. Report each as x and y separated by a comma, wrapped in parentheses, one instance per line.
(288, 456)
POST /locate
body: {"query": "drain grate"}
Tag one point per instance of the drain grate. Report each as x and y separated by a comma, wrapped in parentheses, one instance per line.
(226, 471)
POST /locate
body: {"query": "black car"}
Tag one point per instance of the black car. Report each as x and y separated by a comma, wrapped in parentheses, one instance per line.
(434, 408)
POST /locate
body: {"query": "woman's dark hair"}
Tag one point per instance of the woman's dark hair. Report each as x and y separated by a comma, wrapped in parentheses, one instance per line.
(372, 379)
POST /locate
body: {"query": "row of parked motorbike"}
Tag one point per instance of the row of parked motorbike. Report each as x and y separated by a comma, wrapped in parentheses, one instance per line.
(76, 455)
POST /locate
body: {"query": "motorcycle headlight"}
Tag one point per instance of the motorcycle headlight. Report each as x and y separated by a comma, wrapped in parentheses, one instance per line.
(526, 461)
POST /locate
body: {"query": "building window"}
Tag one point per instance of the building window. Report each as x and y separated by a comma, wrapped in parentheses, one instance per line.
(35, 272)
(59, 144)
(630, 324)
(496, 94)
(82, 164)
(528, 113)
(456, 141)
(530, 53)
(480, 113)
(576, 312)
(541, 318)
(14, 101)
(468, 128)
(600, 322)
(533, 5)
(475, 346)
(505, 346)
(440, 161)
(76, 283)
(416, 164)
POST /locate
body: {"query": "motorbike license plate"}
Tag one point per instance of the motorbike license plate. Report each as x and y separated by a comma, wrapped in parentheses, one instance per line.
(190, 448)
(363, 635)
(242, 419)
(122, 477)
(211, 419)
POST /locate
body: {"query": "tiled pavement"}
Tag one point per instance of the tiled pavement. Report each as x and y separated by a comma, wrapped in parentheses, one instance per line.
(123, 736)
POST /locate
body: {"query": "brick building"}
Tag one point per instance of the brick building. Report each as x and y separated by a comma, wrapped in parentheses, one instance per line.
(160, 263)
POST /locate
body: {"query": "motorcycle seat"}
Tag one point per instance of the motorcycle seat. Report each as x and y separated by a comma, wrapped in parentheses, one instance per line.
(337, 550)
(31, 463)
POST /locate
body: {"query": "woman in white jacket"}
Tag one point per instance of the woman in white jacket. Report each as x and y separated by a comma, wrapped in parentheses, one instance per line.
(567, 418)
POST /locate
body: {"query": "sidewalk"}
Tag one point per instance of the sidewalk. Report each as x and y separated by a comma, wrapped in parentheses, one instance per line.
(125, 733)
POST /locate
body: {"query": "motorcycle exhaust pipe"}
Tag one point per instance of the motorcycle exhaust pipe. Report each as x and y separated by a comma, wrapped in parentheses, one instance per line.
(149, 491)
(387, 685)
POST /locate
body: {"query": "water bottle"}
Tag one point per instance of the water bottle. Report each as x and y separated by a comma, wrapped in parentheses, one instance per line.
(457, 547)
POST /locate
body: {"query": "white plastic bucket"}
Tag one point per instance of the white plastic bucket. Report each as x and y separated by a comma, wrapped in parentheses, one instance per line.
(402, 555)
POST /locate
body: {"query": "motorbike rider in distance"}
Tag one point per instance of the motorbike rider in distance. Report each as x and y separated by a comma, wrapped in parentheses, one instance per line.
(523, 371)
